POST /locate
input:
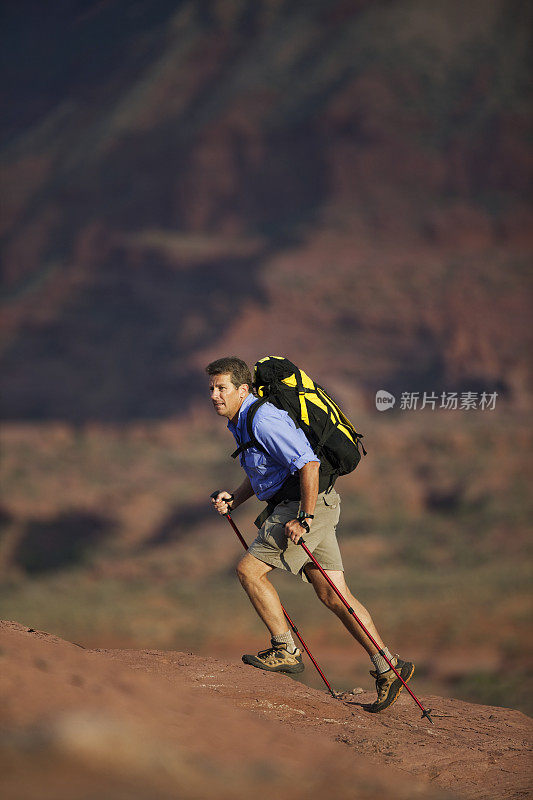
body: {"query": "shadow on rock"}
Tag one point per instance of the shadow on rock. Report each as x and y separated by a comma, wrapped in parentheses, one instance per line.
(179, 524)
(65, 540)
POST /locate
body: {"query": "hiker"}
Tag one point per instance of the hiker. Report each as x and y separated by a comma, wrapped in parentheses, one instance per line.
(283, 451)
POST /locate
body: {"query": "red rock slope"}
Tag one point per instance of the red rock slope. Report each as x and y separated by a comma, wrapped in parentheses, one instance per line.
(140, 724)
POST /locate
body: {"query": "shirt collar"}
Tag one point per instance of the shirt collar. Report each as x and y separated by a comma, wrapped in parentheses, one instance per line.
(244, 405)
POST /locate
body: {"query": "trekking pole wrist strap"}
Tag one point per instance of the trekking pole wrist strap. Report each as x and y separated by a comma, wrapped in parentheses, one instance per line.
(304, 524)
(228, 500)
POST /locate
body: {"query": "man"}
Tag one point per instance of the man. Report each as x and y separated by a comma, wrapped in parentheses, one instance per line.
(286, 451)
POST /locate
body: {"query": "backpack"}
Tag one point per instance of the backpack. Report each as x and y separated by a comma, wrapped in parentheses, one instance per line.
(330, 433)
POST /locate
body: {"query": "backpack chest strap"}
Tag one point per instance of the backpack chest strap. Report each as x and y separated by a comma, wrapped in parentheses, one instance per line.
(244, 446)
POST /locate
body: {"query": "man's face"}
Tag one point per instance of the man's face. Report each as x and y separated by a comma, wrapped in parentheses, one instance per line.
(225, 397)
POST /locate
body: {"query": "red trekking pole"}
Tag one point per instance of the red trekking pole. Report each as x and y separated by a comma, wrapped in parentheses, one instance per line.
(425, 713)
(289, 620)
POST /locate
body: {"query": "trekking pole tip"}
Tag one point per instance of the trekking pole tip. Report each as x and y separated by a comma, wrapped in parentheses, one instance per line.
(426, 713)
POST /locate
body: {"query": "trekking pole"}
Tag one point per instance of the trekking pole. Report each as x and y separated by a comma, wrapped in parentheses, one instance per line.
(289, 620)
(425, 713)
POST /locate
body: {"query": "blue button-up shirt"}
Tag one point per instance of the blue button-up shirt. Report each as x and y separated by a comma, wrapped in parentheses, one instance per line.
(287, 446)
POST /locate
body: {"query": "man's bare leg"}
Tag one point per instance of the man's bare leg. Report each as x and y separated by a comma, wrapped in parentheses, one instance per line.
(252, 574)
(283, 656)
(388, 685)
(331, 601)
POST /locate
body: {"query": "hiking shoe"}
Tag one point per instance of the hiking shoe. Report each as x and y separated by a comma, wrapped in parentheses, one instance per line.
(388, 685)
(277, 659)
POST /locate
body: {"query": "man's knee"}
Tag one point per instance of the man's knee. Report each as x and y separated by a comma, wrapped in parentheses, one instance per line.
(242, 571)
(330, 599)
(325, 593)
(250, 569)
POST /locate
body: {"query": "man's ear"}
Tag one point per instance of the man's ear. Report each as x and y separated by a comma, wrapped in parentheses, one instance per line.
(243, 390)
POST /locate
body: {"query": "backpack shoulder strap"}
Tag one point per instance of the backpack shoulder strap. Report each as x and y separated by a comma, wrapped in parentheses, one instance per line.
(252, 441)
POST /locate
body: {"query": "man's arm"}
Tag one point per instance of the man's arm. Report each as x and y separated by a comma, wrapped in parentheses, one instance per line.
(240, 495)
(308, 494)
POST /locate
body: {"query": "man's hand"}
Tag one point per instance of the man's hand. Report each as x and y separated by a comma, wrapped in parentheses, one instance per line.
(222, 502)
(294, 531)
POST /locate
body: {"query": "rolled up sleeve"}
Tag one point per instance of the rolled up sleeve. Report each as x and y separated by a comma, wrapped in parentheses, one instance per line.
(286, 443)
(302, 461)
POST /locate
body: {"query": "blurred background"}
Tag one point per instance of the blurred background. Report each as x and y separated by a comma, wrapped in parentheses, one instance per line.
(343, 182)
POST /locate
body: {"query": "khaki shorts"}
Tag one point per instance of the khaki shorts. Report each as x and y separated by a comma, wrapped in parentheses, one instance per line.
(273, 547)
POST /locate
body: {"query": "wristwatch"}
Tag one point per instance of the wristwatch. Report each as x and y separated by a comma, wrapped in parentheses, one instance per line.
(302, 516)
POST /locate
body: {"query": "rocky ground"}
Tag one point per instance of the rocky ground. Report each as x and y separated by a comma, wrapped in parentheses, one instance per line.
(146, 723)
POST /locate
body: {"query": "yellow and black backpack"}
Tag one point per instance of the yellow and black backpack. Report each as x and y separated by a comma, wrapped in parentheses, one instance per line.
(330, 433)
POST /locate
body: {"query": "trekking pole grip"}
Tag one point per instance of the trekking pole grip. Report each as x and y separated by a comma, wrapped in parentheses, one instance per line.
(216, 493)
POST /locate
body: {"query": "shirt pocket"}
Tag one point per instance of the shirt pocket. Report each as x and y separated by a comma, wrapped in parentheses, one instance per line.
(256, 462)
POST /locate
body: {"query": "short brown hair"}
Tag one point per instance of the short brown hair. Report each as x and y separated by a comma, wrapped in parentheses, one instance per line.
(235, 367)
